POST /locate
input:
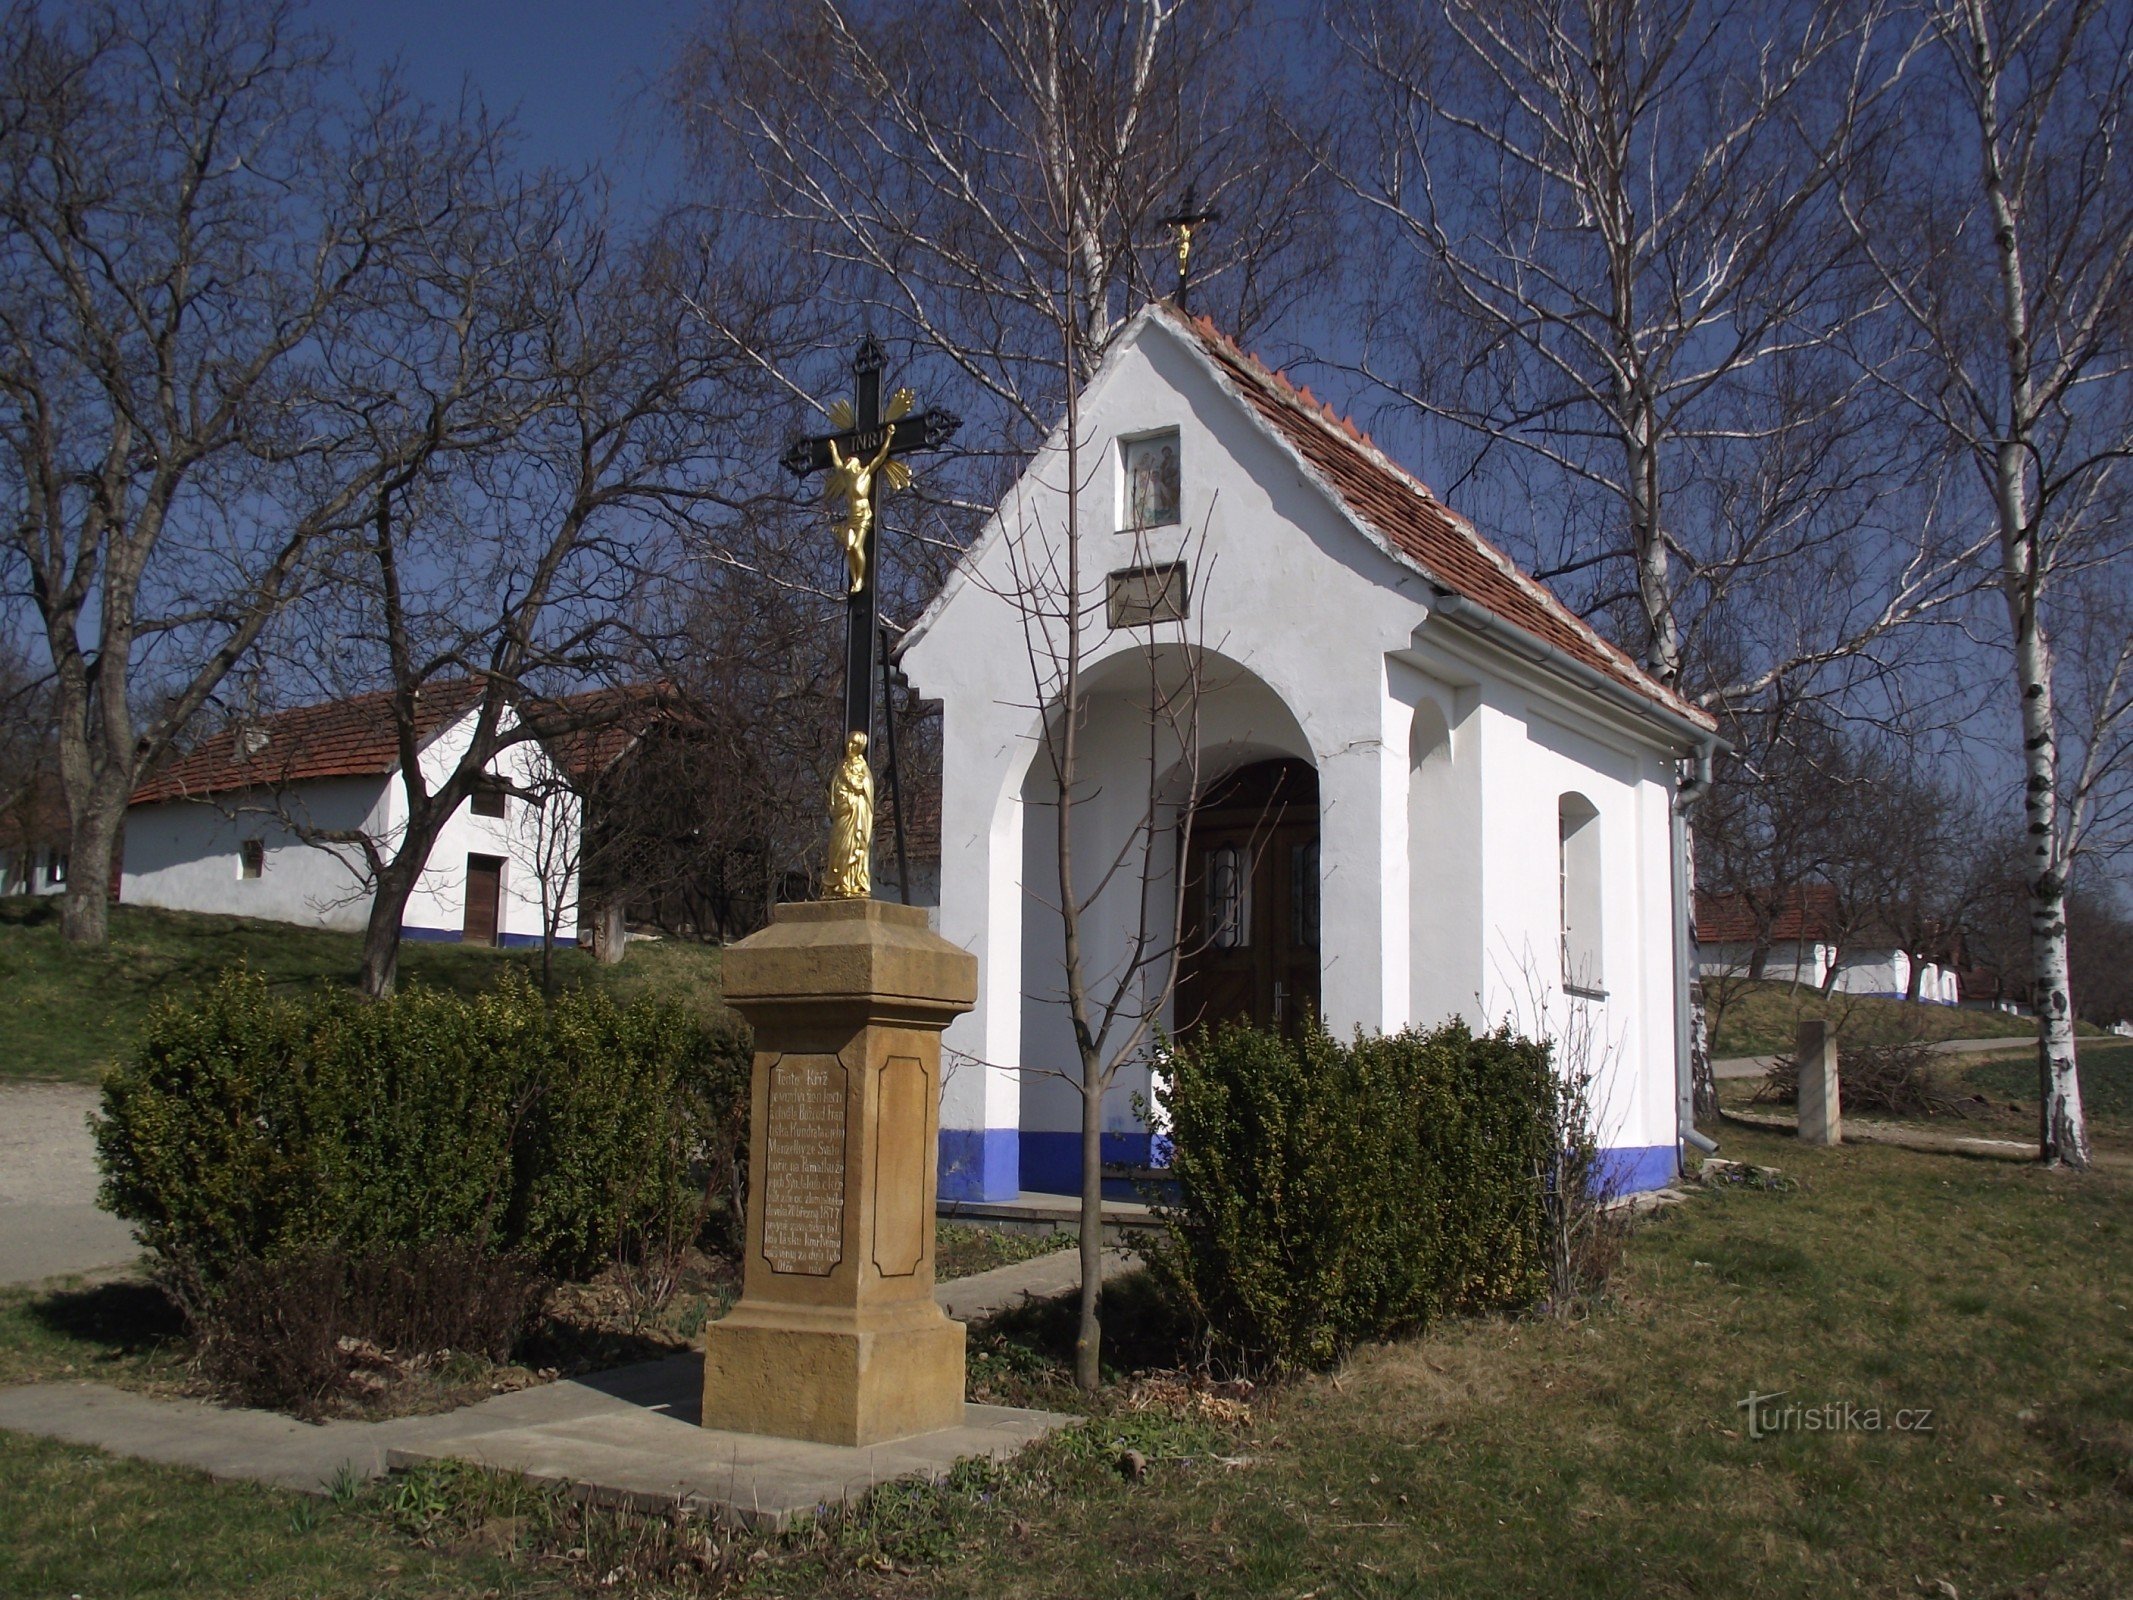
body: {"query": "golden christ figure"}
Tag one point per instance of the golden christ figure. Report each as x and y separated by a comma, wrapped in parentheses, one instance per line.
(851, 846)
(851, 480)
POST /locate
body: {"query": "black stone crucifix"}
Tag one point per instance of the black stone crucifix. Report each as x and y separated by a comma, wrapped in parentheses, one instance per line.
(865, 438)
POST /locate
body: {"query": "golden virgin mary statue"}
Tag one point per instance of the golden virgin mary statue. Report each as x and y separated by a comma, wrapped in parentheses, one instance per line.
(851, 846)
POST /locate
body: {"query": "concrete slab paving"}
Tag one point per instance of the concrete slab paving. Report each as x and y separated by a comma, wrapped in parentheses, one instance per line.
(985, 1294)
(627, 1436)
(650, 1460)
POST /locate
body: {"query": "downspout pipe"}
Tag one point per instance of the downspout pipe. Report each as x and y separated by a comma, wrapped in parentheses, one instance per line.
(1703, 745)
(1697, 785)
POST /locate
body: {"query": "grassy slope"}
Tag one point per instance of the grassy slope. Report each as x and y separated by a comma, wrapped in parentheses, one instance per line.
(2106, 1080)
(1760, 1018)
(1486, 1459)
(70, 1013)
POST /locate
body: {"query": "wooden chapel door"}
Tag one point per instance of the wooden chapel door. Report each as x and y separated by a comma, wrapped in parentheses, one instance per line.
(1250, 947)
(485, 886)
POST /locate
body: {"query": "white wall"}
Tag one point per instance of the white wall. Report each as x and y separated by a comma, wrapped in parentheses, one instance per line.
(1863, 969)
(1439, 765)
(529, 839)
(1539, 751)
(184, 855)
(39, 871)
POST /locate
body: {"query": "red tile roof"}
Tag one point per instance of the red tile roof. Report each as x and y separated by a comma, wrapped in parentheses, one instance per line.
(1402, 510)
(601, 724)
(1809, 913)
(352, 738)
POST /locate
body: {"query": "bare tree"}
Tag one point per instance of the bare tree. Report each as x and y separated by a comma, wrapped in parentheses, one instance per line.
(548, 840)
(574, 410)
(1614, 259)
(921, 152)
(2009, 262)
(188, 224)
(982, 180)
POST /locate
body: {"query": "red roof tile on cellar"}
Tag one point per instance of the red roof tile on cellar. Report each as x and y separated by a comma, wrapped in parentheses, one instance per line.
(352, 738)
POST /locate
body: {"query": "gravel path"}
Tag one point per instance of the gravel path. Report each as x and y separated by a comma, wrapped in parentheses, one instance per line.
(1756, 1066)
(49, 1224)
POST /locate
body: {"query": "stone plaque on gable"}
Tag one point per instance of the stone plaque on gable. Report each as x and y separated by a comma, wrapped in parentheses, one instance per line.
(1140, 597)
(803, 1192)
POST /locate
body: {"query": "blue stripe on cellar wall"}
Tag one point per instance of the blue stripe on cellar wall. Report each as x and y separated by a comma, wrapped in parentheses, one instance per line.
(511, 941)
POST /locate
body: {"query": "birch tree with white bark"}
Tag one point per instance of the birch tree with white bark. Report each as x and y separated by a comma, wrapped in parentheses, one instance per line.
(1613, 275)
(2005, 247)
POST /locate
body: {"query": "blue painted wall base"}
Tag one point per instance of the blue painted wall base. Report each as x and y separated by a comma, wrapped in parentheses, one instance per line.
(509, 941)
(1631, 1169)
(980, 1164)
(1051, 1162)
(996, 1163)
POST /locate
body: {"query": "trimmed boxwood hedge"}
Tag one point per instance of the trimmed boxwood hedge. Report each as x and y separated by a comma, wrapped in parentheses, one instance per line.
(257, 1125)
(1328, 1193)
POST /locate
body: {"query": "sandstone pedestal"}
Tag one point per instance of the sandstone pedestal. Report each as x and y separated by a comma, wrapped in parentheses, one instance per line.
(837, 1337)
(1821, 1113)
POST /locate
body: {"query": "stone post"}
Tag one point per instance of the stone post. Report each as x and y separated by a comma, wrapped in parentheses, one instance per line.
(837, 1337)
(1821, 1114)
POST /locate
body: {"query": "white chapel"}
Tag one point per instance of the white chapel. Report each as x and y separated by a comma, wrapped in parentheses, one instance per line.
(1410, 784)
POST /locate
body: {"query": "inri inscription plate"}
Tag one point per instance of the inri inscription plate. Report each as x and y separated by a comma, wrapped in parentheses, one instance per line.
(803, 1146)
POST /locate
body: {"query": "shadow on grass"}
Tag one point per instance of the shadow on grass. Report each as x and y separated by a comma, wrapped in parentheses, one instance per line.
(121, 1320)
(1025, 1355)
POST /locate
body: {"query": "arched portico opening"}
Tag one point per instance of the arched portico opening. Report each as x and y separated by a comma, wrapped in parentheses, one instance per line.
(1140, 761)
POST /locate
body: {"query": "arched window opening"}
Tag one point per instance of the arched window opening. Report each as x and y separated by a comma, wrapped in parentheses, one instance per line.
(1578, 878)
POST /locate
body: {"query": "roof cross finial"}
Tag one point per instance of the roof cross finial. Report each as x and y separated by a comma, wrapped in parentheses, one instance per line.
(1182, 223)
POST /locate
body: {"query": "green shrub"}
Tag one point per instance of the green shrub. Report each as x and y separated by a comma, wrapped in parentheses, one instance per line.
(1328, 1193)
(255, 1126)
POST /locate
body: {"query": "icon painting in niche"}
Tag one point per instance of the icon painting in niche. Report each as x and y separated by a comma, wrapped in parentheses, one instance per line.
(1152, 480)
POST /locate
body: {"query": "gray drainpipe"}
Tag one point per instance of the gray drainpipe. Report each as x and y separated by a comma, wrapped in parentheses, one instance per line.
(1703, 742)
(1685, 799)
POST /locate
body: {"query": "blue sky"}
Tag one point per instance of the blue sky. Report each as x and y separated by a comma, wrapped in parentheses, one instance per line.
(575, 73)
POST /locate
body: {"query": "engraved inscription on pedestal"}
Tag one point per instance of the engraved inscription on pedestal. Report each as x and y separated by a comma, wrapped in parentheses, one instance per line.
(803, 1147)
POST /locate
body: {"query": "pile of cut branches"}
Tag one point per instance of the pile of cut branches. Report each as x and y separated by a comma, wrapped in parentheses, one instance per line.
(1897, 1080)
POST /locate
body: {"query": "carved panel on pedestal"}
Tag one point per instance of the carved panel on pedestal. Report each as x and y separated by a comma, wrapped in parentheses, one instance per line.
(803, 1150)
(899, 1167)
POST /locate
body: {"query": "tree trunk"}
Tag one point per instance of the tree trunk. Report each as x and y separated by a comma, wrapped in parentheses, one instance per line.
(92, 837)
(1088, 1337)
(2062, 1135)
(2062, 1130)
(610, 938)
(381, 933)
(1918, 971)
